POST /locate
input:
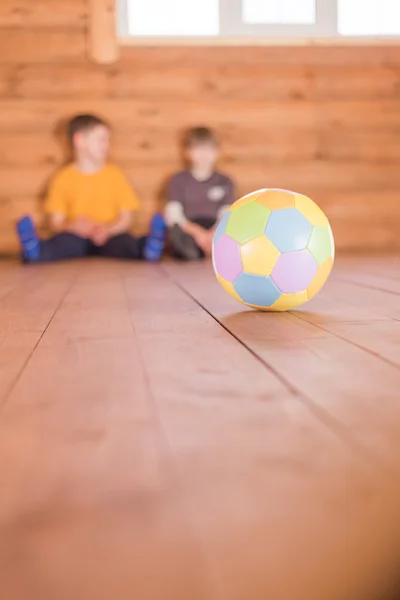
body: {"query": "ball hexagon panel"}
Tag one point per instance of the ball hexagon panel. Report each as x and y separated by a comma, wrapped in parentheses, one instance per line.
(320, 244)
(256, 290)
(219, 232)
(246, 199)
(289, 301)
(288, 230)
(247, 222)
(276, 199)
(259, 256)
(320, 278)
(311, 211)
(294, 271)
(226, 258)
(228, 287)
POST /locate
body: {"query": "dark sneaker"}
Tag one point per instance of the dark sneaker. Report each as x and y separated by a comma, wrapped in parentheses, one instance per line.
(183, 245)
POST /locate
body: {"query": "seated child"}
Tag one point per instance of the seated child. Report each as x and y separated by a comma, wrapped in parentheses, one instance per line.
(197, 197)
(90, 206)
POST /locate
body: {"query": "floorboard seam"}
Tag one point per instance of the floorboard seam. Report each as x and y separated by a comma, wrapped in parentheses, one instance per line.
(354, 344)
(368, 286)
(169, 455)
(5, 400)
(329, 420)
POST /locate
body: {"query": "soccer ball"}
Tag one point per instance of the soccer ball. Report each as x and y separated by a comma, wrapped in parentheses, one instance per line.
(273, 250)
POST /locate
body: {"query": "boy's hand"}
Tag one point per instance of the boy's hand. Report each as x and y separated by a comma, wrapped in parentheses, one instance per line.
(82, 227)
(203, 239)
(208, 245)
(100, 235)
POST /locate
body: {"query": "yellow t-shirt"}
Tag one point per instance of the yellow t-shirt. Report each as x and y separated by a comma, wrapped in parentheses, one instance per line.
(97, 196)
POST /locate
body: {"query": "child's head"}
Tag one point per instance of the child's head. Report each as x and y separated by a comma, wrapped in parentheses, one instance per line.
(201, 148)
(90, 138)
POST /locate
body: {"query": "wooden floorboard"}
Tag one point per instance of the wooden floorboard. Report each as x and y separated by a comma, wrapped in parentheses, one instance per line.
(375, 282)
(380, 337)
(158, 441)
(29, 299)
(237, 443)
(87, 511)
(380, 273)
(355, 387)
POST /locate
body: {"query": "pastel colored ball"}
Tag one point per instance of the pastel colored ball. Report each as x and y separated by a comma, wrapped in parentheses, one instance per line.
(273, 250)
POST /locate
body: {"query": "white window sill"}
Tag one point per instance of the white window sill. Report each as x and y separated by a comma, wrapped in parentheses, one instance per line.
(258, 41)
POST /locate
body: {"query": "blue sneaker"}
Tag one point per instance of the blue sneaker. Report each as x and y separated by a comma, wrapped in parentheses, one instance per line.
(29, 239)
(155, 241)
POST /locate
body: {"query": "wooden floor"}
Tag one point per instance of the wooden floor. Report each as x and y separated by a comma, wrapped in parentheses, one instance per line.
(158, 441)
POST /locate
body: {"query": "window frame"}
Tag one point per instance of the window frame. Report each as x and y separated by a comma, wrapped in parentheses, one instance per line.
(234, 32)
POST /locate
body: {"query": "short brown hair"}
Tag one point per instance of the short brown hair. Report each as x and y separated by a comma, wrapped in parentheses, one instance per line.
(199, 135)
(83, 122)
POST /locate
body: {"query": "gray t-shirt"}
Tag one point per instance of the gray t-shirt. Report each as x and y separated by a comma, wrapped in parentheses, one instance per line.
(201, 199)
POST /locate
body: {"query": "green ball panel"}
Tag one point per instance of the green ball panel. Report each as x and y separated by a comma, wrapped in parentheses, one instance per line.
(247, 222)
(320, 244)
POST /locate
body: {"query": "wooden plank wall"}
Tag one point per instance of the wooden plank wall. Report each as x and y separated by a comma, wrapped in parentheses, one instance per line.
(323, 121)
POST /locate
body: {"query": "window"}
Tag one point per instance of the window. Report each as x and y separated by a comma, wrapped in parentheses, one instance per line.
(173, 17)
(279, 11)
(369, 17)
(262, 19)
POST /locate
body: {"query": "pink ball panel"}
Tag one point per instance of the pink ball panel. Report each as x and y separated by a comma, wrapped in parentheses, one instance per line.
(227, 261)
(294, 271)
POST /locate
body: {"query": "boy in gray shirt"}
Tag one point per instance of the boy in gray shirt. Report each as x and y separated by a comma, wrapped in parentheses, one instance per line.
(197, 197)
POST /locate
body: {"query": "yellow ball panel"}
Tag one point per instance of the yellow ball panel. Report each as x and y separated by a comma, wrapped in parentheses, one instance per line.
(289, 301)
(320, 278)
(276, 199)
(332, 242)
(228, 287)
(260, 308)
(246, 199)
(311, 211)
(259, 256)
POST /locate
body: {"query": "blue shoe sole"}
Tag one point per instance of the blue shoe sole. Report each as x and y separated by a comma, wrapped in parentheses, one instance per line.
(155, 241)
(29, 239)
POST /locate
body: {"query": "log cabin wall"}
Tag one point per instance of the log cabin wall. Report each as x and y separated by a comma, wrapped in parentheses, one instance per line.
(324, 121)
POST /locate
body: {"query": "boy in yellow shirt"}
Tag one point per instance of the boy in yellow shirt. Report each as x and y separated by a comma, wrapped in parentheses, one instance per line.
(90, 205)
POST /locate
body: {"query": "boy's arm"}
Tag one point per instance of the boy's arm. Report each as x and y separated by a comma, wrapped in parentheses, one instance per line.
(81, 227)
(56, 207)
(174, 211)
(174, 215)
(122, 224)
(102, 233)
(57, 222)
(127, 203)
(229, 199)
(56, 204)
